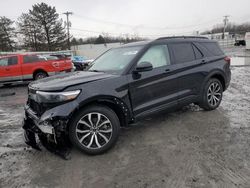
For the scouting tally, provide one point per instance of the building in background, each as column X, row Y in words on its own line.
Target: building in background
column 247, row 39
column 92, row 51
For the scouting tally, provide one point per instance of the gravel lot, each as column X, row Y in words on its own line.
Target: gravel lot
column 188, row 148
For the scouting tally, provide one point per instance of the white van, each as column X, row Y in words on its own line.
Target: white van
column 247, row 38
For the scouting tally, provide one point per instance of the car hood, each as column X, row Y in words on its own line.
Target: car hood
column 62, row 81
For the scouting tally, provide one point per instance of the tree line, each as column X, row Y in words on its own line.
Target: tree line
column 104, row 39
column 231, row 28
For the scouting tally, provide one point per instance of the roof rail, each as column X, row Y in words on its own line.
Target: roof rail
column 182, row 37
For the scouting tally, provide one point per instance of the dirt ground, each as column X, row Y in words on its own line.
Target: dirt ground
column 188, row 148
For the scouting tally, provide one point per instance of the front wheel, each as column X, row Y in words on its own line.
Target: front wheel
column 212, row 94
column 95, row 129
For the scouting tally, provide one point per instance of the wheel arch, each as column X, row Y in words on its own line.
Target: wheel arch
column 221, row 79
column 218, row 75
column 121, row 109
column 37, row 71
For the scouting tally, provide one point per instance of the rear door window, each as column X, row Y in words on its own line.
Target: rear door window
column 12, row 60
column 183, row 52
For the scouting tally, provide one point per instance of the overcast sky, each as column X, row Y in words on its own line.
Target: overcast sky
column 149, row 18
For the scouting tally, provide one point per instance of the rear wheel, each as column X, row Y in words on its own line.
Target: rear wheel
column 212, row 94
column 95, row 129
column 40, row 75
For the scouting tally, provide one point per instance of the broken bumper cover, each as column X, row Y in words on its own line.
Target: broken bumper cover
column 33, row 123
column 49, row 130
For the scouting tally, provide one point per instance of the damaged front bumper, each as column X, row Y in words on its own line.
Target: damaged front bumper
column 50, row 130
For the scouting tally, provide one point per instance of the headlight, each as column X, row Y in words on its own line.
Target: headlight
column 52, row 97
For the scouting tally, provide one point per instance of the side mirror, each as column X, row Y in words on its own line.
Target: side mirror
column 143, row 67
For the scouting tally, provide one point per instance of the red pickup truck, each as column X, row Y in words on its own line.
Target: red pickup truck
column 31, row 67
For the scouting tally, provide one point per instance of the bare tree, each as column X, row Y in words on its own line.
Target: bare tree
column 7, row 34
column 30, row 31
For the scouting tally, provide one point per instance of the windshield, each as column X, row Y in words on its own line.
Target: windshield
column 115, row 60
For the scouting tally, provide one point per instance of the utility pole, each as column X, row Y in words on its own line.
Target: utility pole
column 225, row 21
column 68, row 25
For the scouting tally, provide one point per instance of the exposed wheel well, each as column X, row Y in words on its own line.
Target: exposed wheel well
column 37, row 71
column 111, row 104
column 221, row 79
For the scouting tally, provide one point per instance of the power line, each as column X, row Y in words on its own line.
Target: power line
column 124, row 34
column 144, row 26
column 68, row 25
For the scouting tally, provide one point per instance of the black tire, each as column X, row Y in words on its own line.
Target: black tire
column 93, row 149
column 207, row 100
column 40, row 75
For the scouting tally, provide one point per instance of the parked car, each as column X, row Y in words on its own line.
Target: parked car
column 23, row 67
column 240, row 42
column 81, row 62
column 122, row 86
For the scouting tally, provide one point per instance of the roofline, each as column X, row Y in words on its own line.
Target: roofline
column 182, row 37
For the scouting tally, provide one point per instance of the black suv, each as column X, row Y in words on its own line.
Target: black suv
column 124, row 84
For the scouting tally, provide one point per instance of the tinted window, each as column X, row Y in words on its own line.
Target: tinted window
column 12, row 60
column 158, row 56
column 183, row 52
column 213, row 48
column 8, row 61
column 31, row 59
column 197, row 53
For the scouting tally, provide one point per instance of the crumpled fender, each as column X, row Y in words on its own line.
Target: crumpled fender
column 60, row 111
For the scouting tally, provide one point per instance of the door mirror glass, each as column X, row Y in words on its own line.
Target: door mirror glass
column 144, row 66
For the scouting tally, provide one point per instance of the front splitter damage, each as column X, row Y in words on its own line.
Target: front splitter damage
column 57, row 142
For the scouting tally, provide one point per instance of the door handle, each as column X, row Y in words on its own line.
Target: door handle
column 203, row 61
column 167, row 70
column 7, row 69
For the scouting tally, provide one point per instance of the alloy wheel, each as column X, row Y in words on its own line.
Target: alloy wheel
column 94, row 130
column 214, row 94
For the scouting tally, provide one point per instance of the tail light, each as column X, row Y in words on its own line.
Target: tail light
column 227, row 59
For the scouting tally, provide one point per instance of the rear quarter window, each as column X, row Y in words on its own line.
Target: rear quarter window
column 213, row 48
